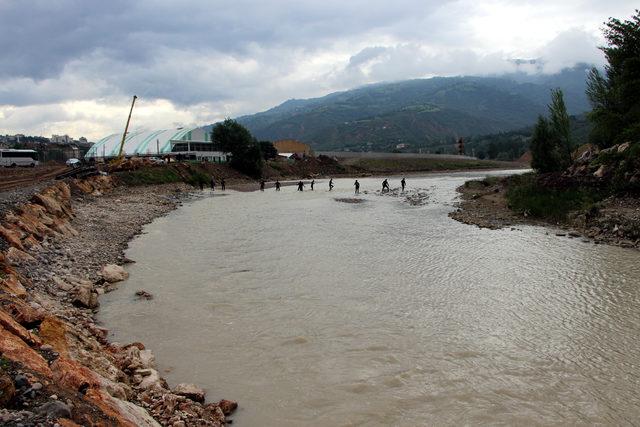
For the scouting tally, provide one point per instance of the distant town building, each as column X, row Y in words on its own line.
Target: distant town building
column 61, row 139
column 288, row 147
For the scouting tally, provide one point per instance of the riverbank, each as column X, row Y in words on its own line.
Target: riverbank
column 612, row 220
column 64, row 248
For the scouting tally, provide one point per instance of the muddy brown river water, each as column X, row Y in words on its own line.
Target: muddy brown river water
column 314, row 312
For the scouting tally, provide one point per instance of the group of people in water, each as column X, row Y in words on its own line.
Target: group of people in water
column 301, row 185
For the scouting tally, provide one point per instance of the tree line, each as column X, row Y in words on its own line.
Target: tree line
column 614, row 96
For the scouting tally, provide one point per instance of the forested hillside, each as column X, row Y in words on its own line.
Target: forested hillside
column 418, row 115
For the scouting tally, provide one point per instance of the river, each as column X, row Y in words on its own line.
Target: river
column 312, row 311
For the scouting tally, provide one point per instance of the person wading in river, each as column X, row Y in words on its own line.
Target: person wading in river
column 385, row 186
column 331, row 184
column 213, row 184
column 403, row 183
column 262, row 185
column 313, row 181
column 277, row 185
column 300, row 185
column 222, row 184
column 357, row 185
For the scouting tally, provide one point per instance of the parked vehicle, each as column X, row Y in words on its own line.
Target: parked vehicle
column 11, row 158
column 73, row 163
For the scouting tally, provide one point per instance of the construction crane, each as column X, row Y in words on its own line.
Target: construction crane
column 126, row 128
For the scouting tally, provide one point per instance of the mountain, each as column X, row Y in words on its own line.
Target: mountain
column 421, row 113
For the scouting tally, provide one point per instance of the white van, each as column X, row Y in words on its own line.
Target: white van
column 10, row 158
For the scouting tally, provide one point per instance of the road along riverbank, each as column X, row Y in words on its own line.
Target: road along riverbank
column 63, row 249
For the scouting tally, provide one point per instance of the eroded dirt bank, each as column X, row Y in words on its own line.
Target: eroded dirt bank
column 61, row 250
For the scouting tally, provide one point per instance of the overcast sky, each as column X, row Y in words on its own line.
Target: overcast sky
column 71, row 66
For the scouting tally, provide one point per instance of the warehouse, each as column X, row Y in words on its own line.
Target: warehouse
column 189, row 143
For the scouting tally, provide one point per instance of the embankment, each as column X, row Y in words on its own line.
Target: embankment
column 596, row 198
column 62, row 249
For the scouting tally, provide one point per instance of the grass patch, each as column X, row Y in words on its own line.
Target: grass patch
column 526, row 195
column 418, row 165
column 149, row 176
column 156, row 175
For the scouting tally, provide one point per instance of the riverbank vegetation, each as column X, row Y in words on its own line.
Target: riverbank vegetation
column 593, row 187
column 567, row 180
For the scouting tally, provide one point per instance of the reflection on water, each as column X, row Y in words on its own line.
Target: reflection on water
column 309, row 311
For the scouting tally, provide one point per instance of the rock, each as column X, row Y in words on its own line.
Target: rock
column 142, row 294
column 25, row 314
column 54, row 410
column 12, row 284
column 54, row 332
column 624, row 147
column 602, row 170
column 7, row 390
column 190, row 391
column 17, row 329
column 62, row 284
column 12, row 237
column 15, row 349
column 151, row 379
column 85, row 296
column 113, row 273
column 16, row 256
column 21, row 381
column 147, row 358
column 228, row 406
column 72, row 375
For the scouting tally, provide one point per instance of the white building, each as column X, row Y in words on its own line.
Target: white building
column 192, row 143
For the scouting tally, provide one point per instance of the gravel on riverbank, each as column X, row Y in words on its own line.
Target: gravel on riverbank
column 51, row 285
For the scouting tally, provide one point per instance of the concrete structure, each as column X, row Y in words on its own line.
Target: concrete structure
column 194, row 143
column 289, row 147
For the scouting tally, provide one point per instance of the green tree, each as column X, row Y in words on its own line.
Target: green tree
column 551, row 140
column 543, row 148
column 615, row 96
column 268, row 150
column 560, row 126
column 237, row 140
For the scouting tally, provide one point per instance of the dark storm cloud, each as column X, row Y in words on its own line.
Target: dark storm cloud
column 226, row 58
column 41, row 37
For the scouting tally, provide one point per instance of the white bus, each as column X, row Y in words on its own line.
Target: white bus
column 11, row 158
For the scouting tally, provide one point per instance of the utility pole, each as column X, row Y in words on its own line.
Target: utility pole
column 126, row 128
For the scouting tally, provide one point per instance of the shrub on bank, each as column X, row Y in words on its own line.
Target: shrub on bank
column 165, row 174
column 149, row 176
column 525, row 195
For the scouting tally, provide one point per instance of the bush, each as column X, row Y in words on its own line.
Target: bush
column 525, row 195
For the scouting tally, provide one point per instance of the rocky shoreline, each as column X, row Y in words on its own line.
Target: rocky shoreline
column 617, row 222
column 64, row 247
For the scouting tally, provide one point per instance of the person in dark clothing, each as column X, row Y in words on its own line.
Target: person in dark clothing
column 331, row 184
column 300, row 185
column 313, row 181
column 201, row 185
column 385, row 185
column 222, row 184
column 262, row 185
column 403, row 183
column 213, row 184
column 277, row 185
column 357, row 185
